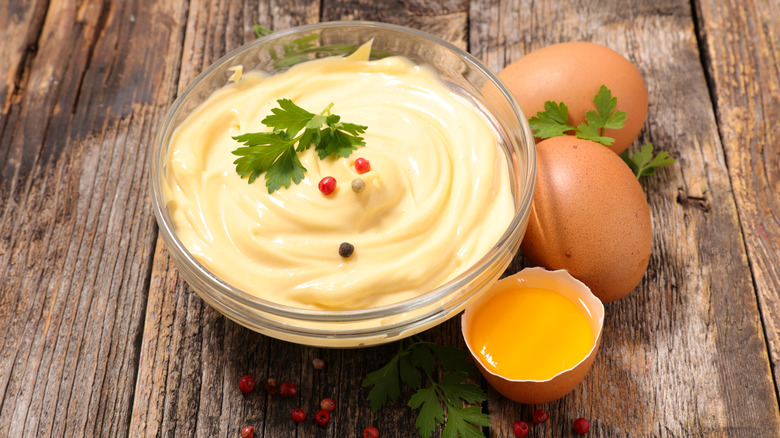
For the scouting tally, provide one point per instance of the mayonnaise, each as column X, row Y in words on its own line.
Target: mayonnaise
column 436, row 199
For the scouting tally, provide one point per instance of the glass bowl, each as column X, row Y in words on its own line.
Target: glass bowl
column 356, row 328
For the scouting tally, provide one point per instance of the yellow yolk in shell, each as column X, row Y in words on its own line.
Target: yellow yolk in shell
column 530, row 334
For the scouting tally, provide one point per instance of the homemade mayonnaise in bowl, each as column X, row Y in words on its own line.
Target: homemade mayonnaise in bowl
column 439, row 216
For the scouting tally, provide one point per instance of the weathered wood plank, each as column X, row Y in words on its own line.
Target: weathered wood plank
column 684, row 354
column 741, row 43
column 191, row 356
column 76, row 228
column 443, row 19
column 20, row 27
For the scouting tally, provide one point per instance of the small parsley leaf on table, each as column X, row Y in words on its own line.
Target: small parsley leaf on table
column 424, row 359
column 431, row 412
column 643, row 163
column 275, row 153
column 454, row 359
column 454, row 389
column 461, row 422
column 410, row 375
column 386, row 384
column 441, row 402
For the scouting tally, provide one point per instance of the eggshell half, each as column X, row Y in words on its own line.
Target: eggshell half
column 541, row 391
column 572, row 73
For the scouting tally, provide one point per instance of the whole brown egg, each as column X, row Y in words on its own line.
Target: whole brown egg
column 572, row 73
column 589, row 216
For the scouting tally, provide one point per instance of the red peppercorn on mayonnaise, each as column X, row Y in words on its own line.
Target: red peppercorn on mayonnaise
column 437, row 196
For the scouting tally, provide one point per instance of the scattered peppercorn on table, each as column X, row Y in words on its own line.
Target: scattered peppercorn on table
column 102, row 337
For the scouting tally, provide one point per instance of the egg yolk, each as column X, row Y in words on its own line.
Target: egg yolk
column 530, row 334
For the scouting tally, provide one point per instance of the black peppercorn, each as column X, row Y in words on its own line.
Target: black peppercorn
column 346, row 249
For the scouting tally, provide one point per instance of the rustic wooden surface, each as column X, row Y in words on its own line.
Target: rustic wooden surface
column 101, row 337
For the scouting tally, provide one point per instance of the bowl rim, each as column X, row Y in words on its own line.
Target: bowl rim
column 429, row 297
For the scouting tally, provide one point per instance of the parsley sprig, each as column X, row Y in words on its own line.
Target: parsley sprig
column 275, row 153
column 554, row 122
column 261, row 31
column 440, row 398
column 643, row 163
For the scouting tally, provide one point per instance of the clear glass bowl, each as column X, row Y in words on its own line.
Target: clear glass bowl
column 355, row 328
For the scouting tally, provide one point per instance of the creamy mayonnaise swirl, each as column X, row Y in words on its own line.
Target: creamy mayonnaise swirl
column 436, row 199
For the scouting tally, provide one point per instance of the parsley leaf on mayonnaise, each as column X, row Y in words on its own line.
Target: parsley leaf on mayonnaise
column 275, row 153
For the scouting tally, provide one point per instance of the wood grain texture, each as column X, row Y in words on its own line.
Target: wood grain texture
column 745, row 85
column 102, row 337
column 446, row 19
column 20, row 27
column 191, row 356
column 76, row 230
column 692, row 322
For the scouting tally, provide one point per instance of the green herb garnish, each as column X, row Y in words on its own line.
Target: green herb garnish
column 643, row 162
column 286, row 53
column 261, row 31
column 275, row 153
column 554, row 122
column 446, row 396
column 605, row 117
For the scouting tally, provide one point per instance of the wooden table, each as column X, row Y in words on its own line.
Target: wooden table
column 101, row 337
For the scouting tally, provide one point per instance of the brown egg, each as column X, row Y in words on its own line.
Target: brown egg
column 573, row 73
column 532, row 391
column 589, row 216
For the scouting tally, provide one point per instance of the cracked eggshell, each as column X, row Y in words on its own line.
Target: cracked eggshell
column 541, row 391
column 589, row 216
